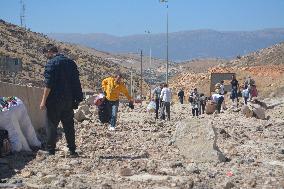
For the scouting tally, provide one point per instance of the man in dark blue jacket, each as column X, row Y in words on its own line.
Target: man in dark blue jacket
column 62, row 94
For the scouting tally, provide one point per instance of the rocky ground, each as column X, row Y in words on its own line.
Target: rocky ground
column 144, row 153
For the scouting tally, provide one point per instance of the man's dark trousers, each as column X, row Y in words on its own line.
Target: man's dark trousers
column 60, row 110
column 181, row 100
column 157, row 108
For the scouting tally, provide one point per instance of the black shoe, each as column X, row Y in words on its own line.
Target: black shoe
column 51, row 152
column 73, row 154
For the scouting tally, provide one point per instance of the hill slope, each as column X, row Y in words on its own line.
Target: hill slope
column 19, row 43
column 265, row 66
column 182, row 45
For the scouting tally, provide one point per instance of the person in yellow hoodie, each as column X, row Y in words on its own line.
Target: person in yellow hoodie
column 113, row 86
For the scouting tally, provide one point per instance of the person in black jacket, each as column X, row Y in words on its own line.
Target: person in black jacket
column 62, row 94
column 181, row 96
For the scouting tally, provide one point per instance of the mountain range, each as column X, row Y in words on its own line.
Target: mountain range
column 184, row 45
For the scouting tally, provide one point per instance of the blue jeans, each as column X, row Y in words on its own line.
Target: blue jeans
column 234, row 94
column 112, row 109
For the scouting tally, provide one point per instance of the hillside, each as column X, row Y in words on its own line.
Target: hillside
column 200, row 65
column 93, row 65
column 265, row 66
column 183, row 45
column 273, row 55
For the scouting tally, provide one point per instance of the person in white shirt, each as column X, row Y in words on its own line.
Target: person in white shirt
column 156, row 97
column 246, row 94
column 218, row 99
column 166, row 96
column 223, row 92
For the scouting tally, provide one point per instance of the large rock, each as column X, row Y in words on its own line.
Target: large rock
column 210, row 108
column 258, row 111
column 258, row 102
column 246, row 111
column 81, row 113
column 196, row 140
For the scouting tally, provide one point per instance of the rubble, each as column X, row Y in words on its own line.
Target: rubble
column 137, row 154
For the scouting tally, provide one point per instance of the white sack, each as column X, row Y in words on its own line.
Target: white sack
column 20, row 129
column 151, row 106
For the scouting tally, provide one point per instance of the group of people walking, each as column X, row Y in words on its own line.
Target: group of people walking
column 248, row 90
column 63, row 93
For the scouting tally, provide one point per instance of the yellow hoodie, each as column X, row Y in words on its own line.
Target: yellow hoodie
column 114, row 89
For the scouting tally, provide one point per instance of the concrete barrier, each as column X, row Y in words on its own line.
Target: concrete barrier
column 31, row 96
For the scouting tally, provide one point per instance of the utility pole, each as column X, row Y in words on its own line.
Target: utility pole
column 167, row 76
column 141, row 79
column 167, row 66
column 22, row 14
column 131, row 83
column 149, row 41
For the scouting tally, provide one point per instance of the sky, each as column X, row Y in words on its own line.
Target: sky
column 129, row 17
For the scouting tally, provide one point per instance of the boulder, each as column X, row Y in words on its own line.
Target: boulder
column 258, row 112
column 246, row 111
column 196, row 140
column 258, row 102
column 79, row 115
column 210, row 108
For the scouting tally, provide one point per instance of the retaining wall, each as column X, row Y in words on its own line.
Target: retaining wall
column 31, row 96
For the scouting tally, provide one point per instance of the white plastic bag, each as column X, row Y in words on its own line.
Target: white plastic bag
column 6, row 123
column 99, row 99
column 26, row 125
column 20, row 130
column 151, row 107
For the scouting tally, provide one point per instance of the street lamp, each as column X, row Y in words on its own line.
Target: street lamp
column 167, row 75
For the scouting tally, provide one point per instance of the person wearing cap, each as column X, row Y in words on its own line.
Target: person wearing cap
column 62, row 93
column 113, row 86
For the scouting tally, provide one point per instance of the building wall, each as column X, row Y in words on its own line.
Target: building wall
column 218, row 77
column 31, row 96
